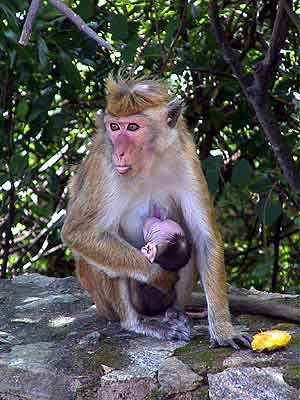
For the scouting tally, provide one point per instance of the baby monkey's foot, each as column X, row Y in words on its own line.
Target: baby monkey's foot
column 174, row 326
column 167, row 329
column 173, row 313
column 179, row 323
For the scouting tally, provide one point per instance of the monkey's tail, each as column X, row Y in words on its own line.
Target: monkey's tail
column 249, row 305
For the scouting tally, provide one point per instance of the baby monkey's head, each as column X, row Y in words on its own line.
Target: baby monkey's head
column 166, row 243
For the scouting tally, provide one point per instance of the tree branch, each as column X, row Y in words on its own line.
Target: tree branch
column 293, row 16
column 30, row 18
column 81, row 25
column 276, row 265
column 228, row 53
column 255, row 87
column 8, row 129
column 178, row 33
column 264, row 70
column 76, row 19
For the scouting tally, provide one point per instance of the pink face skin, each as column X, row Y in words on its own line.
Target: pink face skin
column 157, row 232
column 130, row 136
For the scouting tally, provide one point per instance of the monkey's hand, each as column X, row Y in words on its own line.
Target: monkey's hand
column 162, row 279
column 226, row 335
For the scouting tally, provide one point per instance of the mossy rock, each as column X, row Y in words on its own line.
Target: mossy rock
column 201, row 358
column 292, row 375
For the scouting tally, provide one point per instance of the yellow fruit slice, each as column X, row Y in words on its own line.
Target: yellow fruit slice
column 270, row 340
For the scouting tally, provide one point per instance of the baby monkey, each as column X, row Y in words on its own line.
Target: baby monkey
column 167, row 245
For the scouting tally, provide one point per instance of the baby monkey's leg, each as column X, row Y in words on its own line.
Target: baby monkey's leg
column 169, row 328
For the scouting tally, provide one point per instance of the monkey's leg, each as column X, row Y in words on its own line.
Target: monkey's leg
column 100, row 287
column 112, row 300
column 148, row 300
column 170, row 328
column 184, row 288
column 176, row 312
column 184, row 285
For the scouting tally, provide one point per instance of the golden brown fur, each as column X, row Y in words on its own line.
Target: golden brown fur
column 132, row 96
column 104, row 219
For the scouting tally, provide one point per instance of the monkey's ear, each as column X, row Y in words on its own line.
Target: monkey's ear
column 99, row 119
column 174, row 111
column 149, row 251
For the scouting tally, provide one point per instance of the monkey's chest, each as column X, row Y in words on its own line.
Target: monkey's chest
column 131, row 224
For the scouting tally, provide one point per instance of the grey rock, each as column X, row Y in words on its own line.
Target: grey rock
column 32, row 357
column 175, row 377
column 54, row 346
column 144, row 359
column 251, row 384
column 133, row 389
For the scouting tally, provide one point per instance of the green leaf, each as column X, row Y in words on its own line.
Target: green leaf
column 152, row 51
column 18, row 164
column 71, row 73
column 10, row 16
column 22, row 109
column 129, row 51
column 170, row 30
column 53, row 128
column 42, row 52
column 68, row 91
column 119, row 27
column 268, row 211
column 260, row 184
column 241, row 173
column 53, row 181
column 212, row 167
column 86, row 9
column 40, row 211
column 3, row 179
column 12, row 58
column 41, row 104
column 216, row 115
column 10, row 35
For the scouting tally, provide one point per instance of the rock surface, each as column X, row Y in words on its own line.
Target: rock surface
column 54, row 347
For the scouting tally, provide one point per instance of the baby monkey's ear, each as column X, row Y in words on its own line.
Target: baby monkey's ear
column 149, row 251
column 174, row 111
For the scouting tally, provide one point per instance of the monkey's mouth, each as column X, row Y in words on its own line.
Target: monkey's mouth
column 122, row 169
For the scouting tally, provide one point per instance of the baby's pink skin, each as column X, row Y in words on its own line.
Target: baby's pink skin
column 155, row 229
column 157, row 232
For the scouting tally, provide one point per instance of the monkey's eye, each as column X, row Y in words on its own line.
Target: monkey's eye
column 114, row 126
column 133, row 127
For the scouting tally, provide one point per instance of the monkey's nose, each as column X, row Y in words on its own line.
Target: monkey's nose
column 121, row 155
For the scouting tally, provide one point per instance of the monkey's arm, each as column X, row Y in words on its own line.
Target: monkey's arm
column 109, row 253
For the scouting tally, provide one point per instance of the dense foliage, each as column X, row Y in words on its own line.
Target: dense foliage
column 51, row 89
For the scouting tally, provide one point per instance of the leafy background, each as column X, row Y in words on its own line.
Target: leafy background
column 51, row 89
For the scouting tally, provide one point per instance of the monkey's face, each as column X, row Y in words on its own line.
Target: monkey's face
column 132, row 143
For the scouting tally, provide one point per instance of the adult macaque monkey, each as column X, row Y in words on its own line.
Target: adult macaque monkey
column 142, row 154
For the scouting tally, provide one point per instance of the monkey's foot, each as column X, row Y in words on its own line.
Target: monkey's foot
column 240, row 338
column 179, row 321
column 173, row 314
column 171, row 328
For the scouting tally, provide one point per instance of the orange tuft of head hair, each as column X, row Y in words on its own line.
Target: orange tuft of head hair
column 131, row 95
